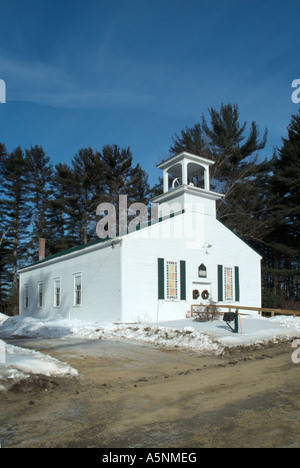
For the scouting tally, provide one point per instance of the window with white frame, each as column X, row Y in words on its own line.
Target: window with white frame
column 40, row 294
column 78, row 290
column 26, row 296
column 57, row 292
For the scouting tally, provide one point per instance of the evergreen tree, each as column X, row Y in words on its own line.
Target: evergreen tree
column 236, row 172
column 191, row 139
column 4, row 279
column 234, row 156
column 87, row 187
column 122, row 178
column 15, row 220
column 62, row 226
column 78, row 189
column 140, row 188
column 93, row 177
column 285, row 190
column 283, row 262
column 38, row 184
column 117, row 170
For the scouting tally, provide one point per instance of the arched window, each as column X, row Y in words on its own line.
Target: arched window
column 202, row 271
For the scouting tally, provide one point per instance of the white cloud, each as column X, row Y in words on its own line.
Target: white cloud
column 107, row 84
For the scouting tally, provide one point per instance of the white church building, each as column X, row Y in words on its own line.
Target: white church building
column 185, row 256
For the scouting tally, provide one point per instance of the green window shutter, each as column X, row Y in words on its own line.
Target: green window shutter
column 161, row 278
column 220, row 283
column 182, row 281
column 237, row 283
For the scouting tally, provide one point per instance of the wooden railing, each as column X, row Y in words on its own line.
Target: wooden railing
column 233, row 308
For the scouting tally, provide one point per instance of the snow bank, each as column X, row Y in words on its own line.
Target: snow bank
column 205, row 337
column 29, row 327
column 19, row 363
column 2, row 318
column 171, row 337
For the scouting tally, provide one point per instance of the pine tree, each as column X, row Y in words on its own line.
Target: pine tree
column 122, row 178
column 191, row 139
column 38, row 184
column 78, row 189
column 236, row 170
column 15, row 219
column 233, row 155
column 87, row 185
column 62, row 227
column 283, row 266
column 285, row 190
column 4, row 278
column 117, row 171
column 140, row 188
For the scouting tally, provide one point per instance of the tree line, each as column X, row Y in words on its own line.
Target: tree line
column 58, row 202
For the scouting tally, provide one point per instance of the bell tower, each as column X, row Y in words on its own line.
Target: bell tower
column 181, row 192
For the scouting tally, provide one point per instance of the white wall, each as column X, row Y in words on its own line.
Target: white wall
column 120, row 283
column 140, row 251
column 229, row 250
column 101, row 285
column 139, row 265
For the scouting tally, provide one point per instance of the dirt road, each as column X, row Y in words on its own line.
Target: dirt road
column 130, row 395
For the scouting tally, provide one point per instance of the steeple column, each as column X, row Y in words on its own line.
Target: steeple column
column 206, row 179
column 184, row 165
column 166, row 180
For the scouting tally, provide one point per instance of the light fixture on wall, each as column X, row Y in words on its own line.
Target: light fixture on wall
column 206, row 246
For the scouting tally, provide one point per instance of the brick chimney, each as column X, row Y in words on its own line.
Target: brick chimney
column 42, row 245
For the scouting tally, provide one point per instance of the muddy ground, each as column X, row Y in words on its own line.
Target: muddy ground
column 130, row 395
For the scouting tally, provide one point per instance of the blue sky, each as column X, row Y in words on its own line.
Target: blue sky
column 84, row 73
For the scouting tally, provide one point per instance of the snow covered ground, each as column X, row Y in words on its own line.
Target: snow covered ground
column 206, row 337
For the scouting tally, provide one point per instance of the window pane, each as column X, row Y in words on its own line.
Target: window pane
column 57, row 293
column 172, row 280
column 228, row 284
column 26, row 296
column 40, row 294
column 77, row 290
column 77, row 280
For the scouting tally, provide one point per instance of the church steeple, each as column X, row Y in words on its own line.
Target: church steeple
column 181, row 168
column 184, row 166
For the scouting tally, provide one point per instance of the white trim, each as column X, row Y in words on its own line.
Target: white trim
column 185, row 154
column 55, row 280
column 200, row 192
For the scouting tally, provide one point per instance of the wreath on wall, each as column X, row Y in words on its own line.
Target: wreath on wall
column 196, row 294
column 205, row 294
